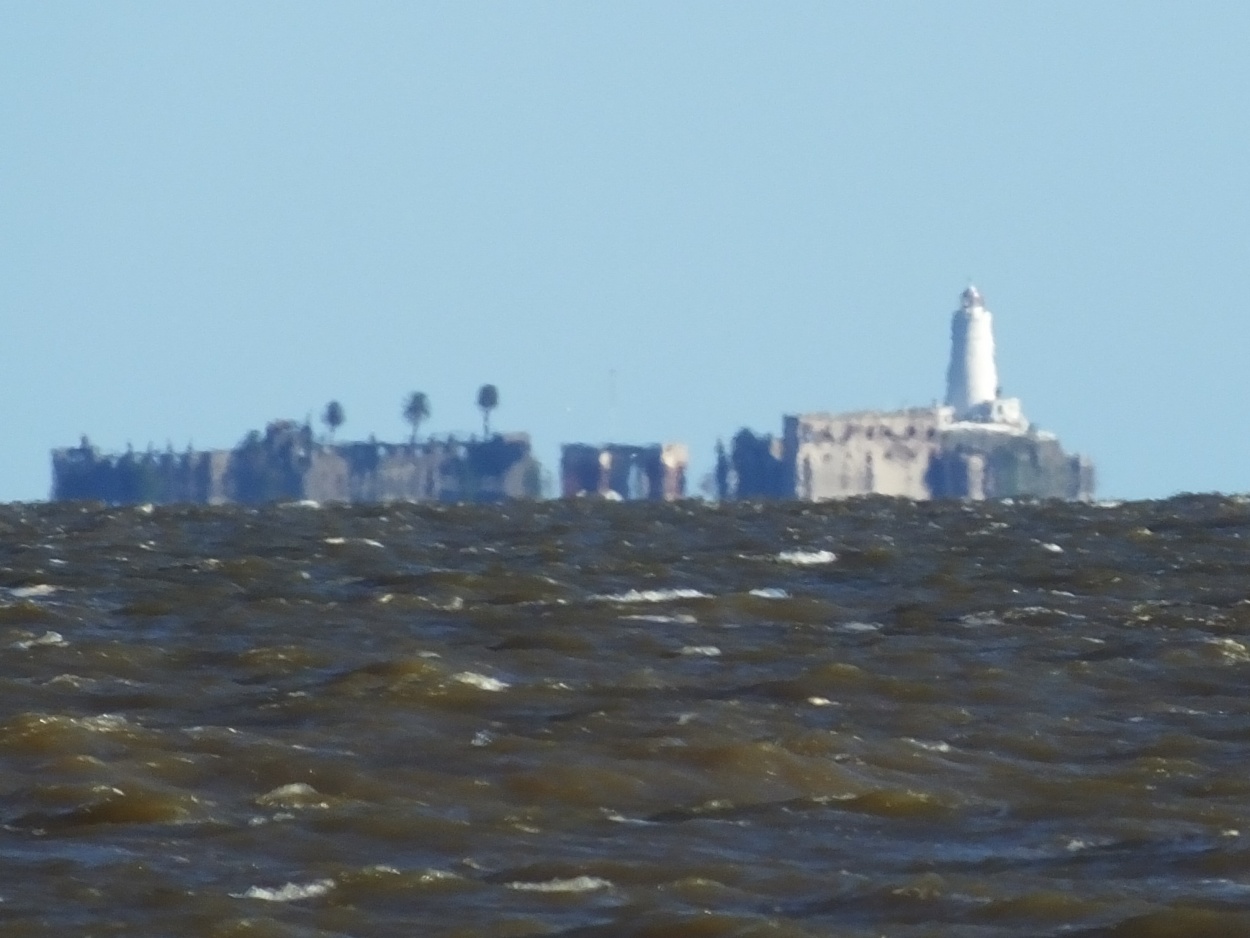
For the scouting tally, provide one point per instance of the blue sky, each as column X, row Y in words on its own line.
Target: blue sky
column 642, row 221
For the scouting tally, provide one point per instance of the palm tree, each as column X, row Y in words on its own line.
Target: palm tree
column 416, row 409
column 487, row 400
column 333, row 417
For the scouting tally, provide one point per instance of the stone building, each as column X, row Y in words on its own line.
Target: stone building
column 976, row 445
column 285, row 463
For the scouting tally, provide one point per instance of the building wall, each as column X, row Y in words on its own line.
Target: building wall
column 656, row 472
column 82, row 472
column 869, row 452
column 1011, row 465
column 919, row 453
column 284, row 464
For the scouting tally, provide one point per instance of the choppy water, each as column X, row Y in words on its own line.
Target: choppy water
column 859, row 719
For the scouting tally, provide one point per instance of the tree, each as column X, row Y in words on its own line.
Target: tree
column 333, row 417
column 487, row 400
column 416, row 409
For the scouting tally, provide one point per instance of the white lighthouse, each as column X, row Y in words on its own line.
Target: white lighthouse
column 972, row 377
column 972, row 389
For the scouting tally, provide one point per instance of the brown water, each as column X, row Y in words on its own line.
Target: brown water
column 860, row 719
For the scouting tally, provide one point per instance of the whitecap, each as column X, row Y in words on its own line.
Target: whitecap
column 104, row 723
column 807, row 558
column 340, row 541
column 432, row 875
column 1230, row 649
column 706, row 651
column 682, row 619
column 291, row 892
column 770, row 592
column 1078, row 844
column 293, row 795
column 52, row 639
column 32, row 592
column 860, row 627
column 938, row 746
column 617, row 818
column 1053, row 548
column 574, row 884
column 651, row 596
column 74, row 680
column 975, row 619
column 480, row 681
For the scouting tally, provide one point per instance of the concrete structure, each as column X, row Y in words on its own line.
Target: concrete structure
column 977, row 445
column 656, row 472
column 286, row 464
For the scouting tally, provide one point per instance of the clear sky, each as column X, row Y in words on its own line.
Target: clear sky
column 643, row 221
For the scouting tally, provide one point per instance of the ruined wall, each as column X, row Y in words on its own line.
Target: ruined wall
column 984, row 463
column 493, row 470
column 286, row 464
column 870, row 452
column 82, row 472
column 633, row 473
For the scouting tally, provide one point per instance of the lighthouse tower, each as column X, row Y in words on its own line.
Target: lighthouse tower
column 972, row 378
column 972, row 390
